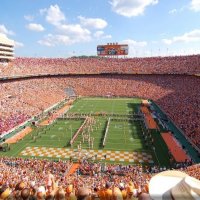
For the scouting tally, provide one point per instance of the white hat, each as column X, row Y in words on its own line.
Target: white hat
column 32, row 183
column 173, row 185
column 121, row 185
column 41, row 189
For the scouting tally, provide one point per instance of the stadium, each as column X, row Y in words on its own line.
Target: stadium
column 95, row 117
column 100, row 100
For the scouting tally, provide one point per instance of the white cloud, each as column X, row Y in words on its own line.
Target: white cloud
column 134, row 43
column 173, row 11
column 35, row 27
column 48, row 40
column 178, row 10
column 136, row 48
column 18, row 44
column 184, row 51
column 167, row 41
column 101, row 35
column 107, row 37
column 75, row 32
column 70, row 34
column 54, row 40
column 29, row 17
column 98, row 34
column 5, row 31
column 192, row 36
column 195, row 5
column 67, row 34
column 53, row 15
column 131, row 8
column 96, row 23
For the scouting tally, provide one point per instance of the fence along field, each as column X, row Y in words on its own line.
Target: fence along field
column 108, row 129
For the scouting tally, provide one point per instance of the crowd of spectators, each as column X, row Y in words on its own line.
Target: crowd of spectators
column 177, row 95
column 21, row 100
column 46, row 179
column 193, row 171
column 96, row 65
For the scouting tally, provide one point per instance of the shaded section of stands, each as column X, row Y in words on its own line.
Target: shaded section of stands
column 150, row 122
column 194, row 154
column 174, row 147
column 160, row 146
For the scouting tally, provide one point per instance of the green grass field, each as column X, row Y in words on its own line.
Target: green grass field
column 119, row 105
column 119, row 132
column 124, row 131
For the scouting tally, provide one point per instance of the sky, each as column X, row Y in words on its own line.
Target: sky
column 65, row 28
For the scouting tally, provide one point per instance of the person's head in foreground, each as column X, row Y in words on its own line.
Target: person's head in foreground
column 174, row 185
column 83, row 193
column 4, row 192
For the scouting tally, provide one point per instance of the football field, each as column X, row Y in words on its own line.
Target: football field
column 108, row 129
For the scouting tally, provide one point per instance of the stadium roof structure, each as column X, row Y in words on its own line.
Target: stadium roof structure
column 6, row 48
column 5, row 40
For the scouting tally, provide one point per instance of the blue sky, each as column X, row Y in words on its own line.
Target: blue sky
column 63, row 28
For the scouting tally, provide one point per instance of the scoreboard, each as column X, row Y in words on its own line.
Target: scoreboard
column 112, row 49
